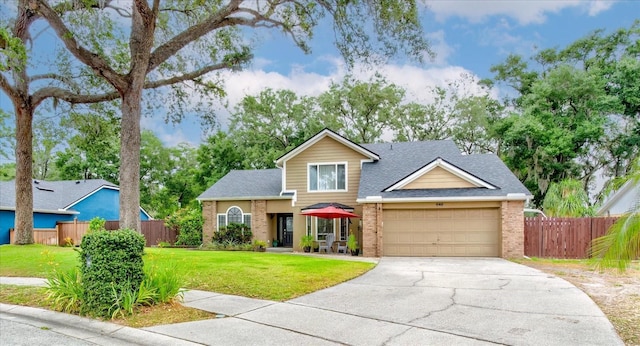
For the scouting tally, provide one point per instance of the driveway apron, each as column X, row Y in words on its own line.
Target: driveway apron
column 418, row 301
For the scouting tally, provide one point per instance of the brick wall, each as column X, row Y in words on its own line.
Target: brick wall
column 371, row 230
column 259, row 224
column 512, row 229
column 210, row 216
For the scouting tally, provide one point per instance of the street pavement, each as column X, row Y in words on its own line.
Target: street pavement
column 402, row 301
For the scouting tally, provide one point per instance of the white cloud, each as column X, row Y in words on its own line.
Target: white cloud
column 525, row 12
column 440, row 47
column 597, row 6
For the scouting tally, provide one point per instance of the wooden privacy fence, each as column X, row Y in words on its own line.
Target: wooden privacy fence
column 563, row 237
column 46, row 236
column 154, row 231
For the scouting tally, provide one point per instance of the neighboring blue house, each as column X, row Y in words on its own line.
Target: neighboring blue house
column 67, row 200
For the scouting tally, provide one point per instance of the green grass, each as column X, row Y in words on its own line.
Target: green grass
column 251, row 274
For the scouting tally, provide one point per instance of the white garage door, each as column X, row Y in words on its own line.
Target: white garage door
column 441, row 232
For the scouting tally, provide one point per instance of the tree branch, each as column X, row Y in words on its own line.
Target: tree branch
column 74, row 98
column 64, row 79
column 215, row 21
column 8, row 88
column 70, row 97
column 87, row 57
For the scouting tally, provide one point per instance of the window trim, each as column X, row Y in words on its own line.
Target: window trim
column 337, row 227
column 226, row 217
column 335, row 164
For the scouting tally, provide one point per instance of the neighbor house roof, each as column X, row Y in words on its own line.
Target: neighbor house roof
column 57, row 197
column 53, row 196
column 400, row 160
column 623, row 198
column 249, row 184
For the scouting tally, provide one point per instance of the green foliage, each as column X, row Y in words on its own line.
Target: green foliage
column 111, row 265
column 621, row 244
column 361, row 110
column 259, row 245
column 65, row 290
column 574, row 114
column 96, row 224
column 234, row 232
column 188, row 221
column 163, row 283
column 306, row 241
column 13, row 53
column 352, row 243
column 94, row 147
column 567, row 199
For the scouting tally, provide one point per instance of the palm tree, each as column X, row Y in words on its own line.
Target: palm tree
column 621, row 244
column 567, row 199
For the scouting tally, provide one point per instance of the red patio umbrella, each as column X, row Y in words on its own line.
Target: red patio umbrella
column 329, row 212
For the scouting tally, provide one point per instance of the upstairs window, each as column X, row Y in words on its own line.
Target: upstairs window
column 328, row 177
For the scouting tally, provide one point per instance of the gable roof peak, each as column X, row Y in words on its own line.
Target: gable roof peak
column 326, row 132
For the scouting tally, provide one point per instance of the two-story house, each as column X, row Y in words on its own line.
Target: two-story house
column 414, row 198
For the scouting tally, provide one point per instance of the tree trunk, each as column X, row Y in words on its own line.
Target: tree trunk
column 130, row 160
column 24, row 186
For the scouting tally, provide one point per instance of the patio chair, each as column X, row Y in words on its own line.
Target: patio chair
column 341, row 247
column 326, row 245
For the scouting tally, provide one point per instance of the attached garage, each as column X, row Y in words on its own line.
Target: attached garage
column 442, row 232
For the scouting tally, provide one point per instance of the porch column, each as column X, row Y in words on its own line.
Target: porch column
column 259, row 225
column 210, row 218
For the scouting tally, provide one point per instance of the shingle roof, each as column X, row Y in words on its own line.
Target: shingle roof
column 398, row 160
column 246, row 184
column 52, row 195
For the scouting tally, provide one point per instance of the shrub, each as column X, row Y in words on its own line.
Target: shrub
column 234, row 232
column 188, row 221
column 111, row 265
column 96, row 224
column 259, row 245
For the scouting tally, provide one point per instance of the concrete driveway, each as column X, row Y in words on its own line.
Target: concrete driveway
column 413, row 301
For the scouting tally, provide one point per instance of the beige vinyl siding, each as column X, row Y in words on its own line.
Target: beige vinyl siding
column 327, row 150
column 438, row 178
column 279, row 206
column 223, row 206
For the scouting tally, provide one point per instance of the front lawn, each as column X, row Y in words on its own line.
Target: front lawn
column 261, row 275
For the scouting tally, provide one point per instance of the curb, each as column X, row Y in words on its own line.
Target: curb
column 97, row 332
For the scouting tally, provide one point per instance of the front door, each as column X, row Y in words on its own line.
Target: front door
column 285, row 229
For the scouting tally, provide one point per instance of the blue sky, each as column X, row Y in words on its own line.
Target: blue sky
column 468, row 36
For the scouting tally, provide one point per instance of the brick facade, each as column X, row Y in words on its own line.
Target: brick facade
column 512, row 229
column 210, row 217
column 372, row 230
column 259, row 224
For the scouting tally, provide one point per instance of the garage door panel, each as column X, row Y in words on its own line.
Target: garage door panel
column 441, row 232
